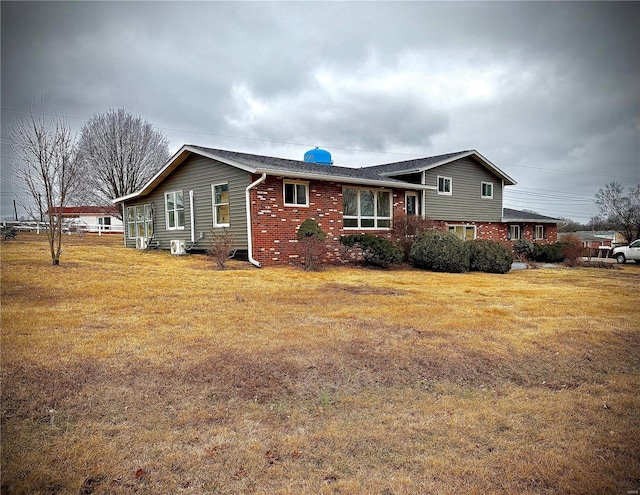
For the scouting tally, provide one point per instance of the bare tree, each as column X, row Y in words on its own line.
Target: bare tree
column 120, row 152
column 622, row 212
column 47, row 164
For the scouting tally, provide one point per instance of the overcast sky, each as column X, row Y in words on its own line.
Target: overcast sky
column 548, row 92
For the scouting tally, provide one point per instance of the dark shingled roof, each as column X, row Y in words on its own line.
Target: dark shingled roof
column 413, row 165
column 509, row 215
column 261, row 162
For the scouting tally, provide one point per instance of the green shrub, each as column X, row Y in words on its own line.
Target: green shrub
column 441, row 252
column 523, row 249
column 376, row 251
column 548, row 253
column 489, row 256
column 310, row 238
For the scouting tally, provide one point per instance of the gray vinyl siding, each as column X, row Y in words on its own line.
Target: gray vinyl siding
column 465, row 203
column 199, row 174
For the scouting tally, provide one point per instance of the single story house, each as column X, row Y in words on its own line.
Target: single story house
column 262, row 201
column 95, row 219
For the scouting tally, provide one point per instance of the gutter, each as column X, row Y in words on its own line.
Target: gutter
column 262, row 178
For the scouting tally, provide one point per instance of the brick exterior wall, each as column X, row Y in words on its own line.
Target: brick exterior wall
column 274, row 226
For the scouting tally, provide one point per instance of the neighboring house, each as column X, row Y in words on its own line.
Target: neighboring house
column 263, row 200
column 100, row 219
column 601, row 242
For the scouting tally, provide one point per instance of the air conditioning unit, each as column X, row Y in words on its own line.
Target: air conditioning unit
column 142, row 242
column 177, row 247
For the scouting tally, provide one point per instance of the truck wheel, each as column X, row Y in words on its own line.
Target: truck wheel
column 620, row 258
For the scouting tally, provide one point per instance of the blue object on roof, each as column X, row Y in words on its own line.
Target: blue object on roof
column 317, row 155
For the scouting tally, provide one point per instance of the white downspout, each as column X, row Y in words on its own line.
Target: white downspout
column 249, row 235
column 193, row 218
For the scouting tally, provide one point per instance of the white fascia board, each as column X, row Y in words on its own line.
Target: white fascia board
column 345, row 180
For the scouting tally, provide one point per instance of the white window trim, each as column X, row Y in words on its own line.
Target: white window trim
column 147, row 221
column 511, row 237
column 213, row 201
column 406, row 202
column 482, row 195
column 166, row 211
column 466, row 226
column 295, row 182
column 445, row 193
column 535, row 232
column 375, row 216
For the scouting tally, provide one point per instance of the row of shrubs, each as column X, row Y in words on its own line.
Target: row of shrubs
column 437, row 251
column 424, row 246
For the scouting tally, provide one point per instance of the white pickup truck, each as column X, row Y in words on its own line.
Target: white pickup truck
column 631, row 252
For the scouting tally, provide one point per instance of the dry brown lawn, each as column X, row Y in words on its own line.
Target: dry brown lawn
column 138, row 372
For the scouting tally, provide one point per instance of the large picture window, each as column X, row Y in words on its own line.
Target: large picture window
column 140, row 221
column 174, row 206
column 366, row 208
column 220, row 205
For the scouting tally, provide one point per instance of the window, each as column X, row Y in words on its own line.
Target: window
column 464, row 232
column 539, row 234
column 444, row 185
column 366, row 208
column 140, row 221
column 105, row 223
column 487, row 190
column 174, row 205
column 296, row 193
column 411, row 202
column 515, row 232
column 220, row 194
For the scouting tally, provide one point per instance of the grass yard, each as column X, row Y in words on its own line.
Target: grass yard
column 138, row 372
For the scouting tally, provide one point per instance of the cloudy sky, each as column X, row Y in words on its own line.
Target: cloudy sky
column 548, row 92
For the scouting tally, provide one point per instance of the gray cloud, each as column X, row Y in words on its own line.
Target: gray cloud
column 533, row 86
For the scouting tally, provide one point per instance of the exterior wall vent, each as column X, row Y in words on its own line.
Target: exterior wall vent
column 319, row 156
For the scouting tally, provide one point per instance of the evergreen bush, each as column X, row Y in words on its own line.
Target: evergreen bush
column 549, row 253
column 489, row 256
column 441, row 252
column 376, row 251
column 523, row 249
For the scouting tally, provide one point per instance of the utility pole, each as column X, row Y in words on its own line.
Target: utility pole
column 15, row 210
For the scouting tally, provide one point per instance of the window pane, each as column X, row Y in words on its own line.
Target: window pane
column 350, row 222
column 139, row 213
column 131, row 213
column 350, row 201
column 367, row 222
column 140, row 230
column 469, row 233
column 170, row 202
column 289, row 193
column 222, row 214
column 172, row 219
column 383, row 224
column 411, row 205
column 181, row 218
column 301, row 194
column 384, row 207
column 179, row 202
column 366, row 203
column 222, row 194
